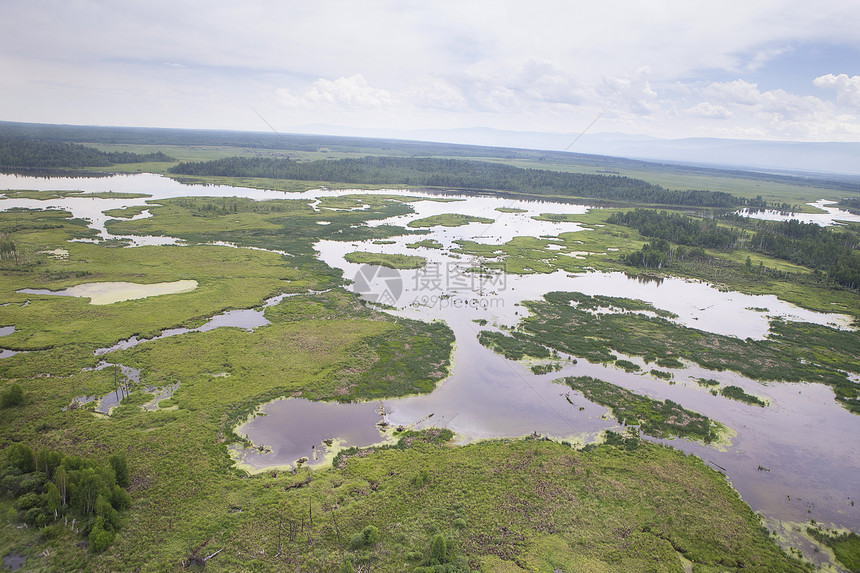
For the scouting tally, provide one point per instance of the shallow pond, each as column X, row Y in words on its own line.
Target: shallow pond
column 105, row 404
column 125, row 378
column 804, row 438
column 314, row 429
column 111, row 292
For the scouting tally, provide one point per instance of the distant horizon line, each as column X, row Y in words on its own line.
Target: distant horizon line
column 798, row 158
column 304, row 127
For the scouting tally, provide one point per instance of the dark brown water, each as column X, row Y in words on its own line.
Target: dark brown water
column 295, row 428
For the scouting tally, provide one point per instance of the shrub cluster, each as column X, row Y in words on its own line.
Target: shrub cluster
column 50, row 485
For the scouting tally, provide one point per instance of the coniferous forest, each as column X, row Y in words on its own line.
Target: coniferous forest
column 830, row 250
column 463, row 174
column 29, row 153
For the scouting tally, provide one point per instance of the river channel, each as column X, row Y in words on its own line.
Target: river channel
column 792, row 461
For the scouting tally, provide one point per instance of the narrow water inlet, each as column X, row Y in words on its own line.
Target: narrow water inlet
column 246, row 319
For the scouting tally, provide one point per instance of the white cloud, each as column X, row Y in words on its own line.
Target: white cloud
column 286, row 98
column 546, row 65
column 632, row 92
column 759, row 58
column 545, row 81
column 735, row 92
column 847, row 88
column 742, row 93
column 772, row 114
column 708, row 110
column 531, row 88
column 438, row 95
column 349, row 92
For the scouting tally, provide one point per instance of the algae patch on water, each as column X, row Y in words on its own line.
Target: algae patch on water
column 111, row 292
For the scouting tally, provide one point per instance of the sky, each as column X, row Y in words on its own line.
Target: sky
column 784, row 70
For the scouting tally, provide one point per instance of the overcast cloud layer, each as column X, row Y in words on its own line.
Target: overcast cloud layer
column 782, row 70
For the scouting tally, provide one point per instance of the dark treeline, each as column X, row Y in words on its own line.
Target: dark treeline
column 27, row 153
column 129, row 157
column 661, row 253
column 461, row 174
column 851, row 204
column 833, row 251
column 679, row 228
column 259, row 140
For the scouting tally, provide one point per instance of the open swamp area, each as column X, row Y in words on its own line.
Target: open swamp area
column 317, row 375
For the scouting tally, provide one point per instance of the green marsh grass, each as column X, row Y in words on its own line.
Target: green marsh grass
column 654, row 417
column 448, row 220
column 390, row 260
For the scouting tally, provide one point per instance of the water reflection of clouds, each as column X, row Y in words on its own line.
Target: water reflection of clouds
column 831, row 215
column 698, row 305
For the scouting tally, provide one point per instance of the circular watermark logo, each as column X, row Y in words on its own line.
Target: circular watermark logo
column 380, row 285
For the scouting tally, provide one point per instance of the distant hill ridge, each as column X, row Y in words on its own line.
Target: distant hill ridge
column 834, row 163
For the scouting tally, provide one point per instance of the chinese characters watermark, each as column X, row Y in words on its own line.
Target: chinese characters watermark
column 453, row 284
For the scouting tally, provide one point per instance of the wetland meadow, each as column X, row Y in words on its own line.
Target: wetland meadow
column 317, row 376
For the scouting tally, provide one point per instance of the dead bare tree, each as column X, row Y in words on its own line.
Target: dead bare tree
column 280, row 522
column 336, row 529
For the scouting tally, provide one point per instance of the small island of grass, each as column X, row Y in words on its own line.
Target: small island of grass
column 426, row 243
column 737, row 393
column 448, row 220
column 670, row 362
column 511, row 347
column 627, row 365
column 558, row 217
column 654, row 417
column 127, row 212
column 51, row 195
column 661, row 374
column 392, row 261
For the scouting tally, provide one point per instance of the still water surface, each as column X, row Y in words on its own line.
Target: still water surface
column 803, row 437
column 830, row 216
